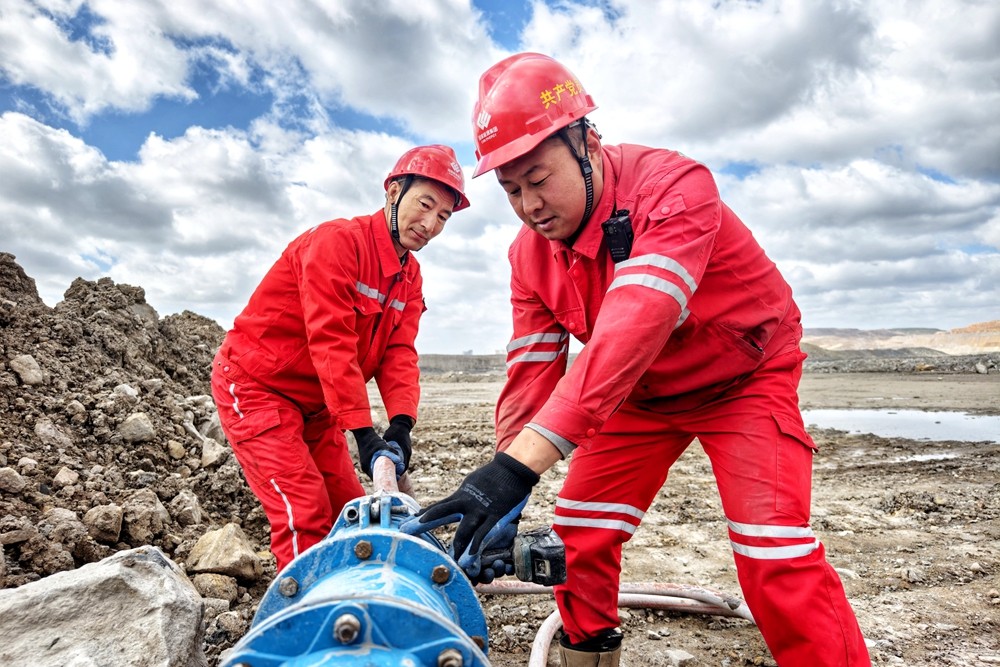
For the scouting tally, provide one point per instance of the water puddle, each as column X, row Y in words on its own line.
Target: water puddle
column 911, row 424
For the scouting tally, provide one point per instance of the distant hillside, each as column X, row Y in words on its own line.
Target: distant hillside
column 972, row 339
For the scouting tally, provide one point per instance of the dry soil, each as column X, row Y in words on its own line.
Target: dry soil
column 911, row 526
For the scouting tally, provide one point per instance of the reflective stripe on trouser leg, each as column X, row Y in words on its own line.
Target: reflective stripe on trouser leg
column 296, row 490
column 762, row 459
column 607, row 491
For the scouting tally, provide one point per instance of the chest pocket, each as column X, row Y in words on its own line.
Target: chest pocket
column 377, row 314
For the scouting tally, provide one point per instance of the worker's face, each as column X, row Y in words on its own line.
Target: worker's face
column 421, row 213
column 546, row 188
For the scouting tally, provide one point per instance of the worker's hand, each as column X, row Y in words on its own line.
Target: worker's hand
column 399, row 433
column 371, row 445
column 496, row 558
column 488, row 501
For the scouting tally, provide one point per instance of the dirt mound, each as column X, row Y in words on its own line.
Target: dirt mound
column 73, row 375
column 982, row 338
column 982, row 327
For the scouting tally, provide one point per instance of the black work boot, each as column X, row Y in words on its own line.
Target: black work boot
column 604, row 650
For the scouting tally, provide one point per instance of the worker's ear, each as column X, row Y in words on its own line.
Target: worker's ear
column 392, row 191
column 593, row 143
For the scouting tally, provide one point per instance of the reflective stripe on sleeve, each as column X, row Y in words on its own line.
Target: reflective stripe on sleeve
column 531, row 354
column 646, row 278
column 659, row 284
column 538, row 356
column 660, row 262
column 524, row 341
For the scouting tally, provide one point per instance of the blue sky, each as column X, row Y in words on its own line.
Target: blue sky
column 179, row 146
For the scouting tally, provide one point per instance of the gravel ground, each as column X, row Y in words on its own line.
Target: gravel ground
column 911, row 525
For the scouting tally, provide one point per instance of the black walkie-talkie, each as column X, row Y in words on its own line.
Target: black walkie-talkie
column 618, row 234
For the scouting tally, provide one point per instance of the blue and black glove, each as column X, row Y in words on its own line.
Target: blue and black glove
column 371, row 445
column 399, row 433
column 486, row 504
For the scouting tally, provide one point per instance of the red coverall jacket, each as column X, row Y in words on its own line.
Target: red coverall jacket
column 716, row 306
column 334, row 311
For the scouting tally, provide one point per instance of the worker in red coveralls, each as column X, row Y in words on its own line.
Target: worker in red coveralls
column 339, row 307
column 688, row 331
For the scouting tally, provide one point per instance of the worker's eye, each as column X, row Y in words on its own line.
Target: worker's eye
column 535, row 184
column 514, row 192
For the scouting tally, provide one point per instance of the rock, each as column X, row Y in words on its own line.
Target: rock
column 145, row 517
column 225, row 551
column 219, row 586
column 11, row 481
column 678, row 658
column 127, row 391
column 214, row 607
column 212, row 428
column 176, row 450
column 50, row 434
column 104, row 523
column 212, row 453
column 185, row 508
column 137, row 428
column 65, row 477
column 133, row 609
column 27, row 369
column 63, row 526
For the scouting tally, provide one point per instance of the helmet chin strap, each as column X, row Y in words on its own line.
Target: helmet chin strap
column 407, row 181
column 586, row 168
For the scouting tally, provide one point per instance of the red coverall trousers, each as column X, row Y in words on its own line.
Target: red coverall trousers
column 298, row 465
column 762, row 460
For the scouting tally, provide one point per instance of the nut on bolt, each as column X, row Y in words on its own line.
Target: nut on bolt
column 440, row 574
column 450, row 657
column 346, row 628
column 363, row 549
column 288, row 587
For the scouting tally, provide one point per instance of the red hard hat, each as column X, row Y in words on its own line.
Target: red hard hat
column 523, row 100
column 435, row 162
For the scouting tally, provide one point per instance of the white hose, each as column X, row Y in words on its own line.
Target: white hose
column 672, row 597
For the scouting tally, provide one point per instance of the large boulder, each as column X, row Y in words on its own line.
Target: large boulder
column 133, row 609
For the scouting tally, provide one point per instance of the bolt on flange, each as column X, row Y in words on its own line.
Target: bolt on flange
column 346, row 628
column 450, row 657
column 363, row 549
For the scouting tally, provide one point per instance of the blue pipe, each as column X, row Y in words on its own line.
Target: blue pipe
column 368, row 595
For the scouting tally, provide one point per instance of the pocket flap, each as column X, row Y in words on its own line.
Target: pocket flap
column 793, row 428
column 254, row 423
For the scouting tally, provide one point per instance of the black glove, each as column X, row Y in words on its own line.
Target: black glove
column 493, row 554
column 399, row 432
column 369, row 444
column 486, row 503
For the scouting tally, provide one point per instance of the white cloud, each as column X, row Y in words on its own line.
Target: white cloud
column 871, row 130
